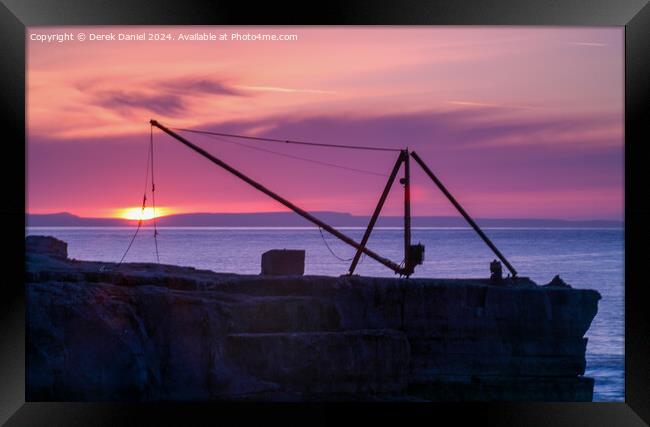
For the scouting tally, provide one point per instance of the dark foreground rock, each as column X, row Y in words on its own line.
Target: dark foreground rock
column 149, row 332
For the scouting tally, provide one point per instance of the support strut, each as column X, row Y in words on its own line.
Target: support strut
column 465, row 215
column 375, row 214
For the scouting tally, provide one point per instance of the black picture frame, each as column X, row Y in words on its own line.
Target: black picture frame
column 16, row 15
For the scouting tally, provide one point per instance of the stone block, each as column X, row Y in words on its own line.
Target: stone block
column 46, row 245
column 367, row 361
column 283, row 262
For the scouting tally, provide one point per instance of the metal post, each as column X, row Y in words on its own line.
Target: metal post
column 463, row 213
column 378, row 208
column 408, row 268
column 388, row 263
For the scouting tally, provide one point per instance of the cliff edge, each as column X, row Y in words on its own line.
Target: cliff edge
column 149, row 332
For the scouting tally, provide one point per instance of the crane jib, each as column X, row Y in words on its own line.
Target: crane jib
column 413, row 254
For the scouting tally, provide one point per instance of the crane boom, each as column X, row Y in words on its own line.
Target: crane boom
column 388, row 263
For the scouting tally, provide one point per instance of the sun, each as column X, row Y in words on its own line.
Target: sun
column 137, row 214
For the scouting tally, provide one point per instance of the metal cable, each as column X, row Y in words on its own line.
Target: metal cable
column 306, row 159
column 320, row 230
column 289, row 141
column 144, row 199
column 153, row 197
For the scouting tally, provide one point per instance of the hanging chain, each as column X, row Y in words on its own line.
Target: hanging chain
column 153, row 196
column 144, row 203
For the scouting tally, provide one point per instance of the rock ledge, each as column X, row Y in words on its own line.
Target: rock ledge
column 146, row 332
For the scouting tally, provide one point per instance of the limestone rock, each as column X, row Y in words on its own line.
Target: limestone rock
column 46, row 245
column 145, row 332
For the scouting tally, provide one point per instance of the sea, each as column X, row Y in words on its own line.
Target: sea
column 587, row 258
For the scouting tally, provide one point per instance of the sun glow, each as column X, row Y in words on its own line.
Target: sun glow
column 137, row 214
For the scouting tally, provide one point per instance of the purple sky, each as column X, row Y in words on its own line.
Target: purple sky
column 516, row 121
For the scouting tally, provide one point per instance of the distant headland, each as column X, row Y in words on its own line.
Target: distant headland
column 289, row 219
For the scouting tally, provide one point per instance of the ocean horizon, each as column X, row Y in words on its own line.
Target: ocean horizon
column 290, row 219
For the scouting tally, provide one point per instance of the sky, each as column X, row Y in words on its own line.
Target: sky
column 517, row 122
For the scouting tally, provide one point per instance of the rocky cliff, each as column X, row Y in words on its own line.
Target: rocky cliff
column 147, row 332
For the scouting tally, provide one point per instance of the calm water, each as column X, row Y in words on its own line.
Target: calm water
column 584, row 258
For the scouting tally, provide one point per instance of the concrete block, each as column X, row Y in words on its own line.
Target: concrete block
column 283, row 262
